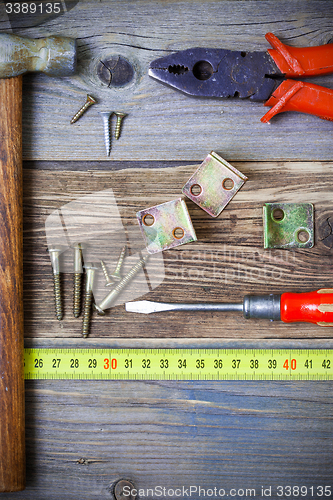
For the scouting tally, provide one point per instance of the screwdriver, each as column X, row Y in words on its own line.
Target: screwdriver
column 310, row 307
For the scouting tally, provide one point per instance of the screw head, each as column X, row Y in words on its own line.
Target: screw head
column 92, row 265
column 106, row 114
column 91, row 99
column 56, row 249
column 119, row 114
column 99, row 311
column 79, row 245
column 116, row 277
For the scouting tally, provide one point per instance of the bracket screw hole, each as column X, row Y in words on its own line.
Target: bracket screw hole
column 148, row 220
column 278, row 214
column 178, row 233
column 228, row 184
column 303, row 236
column 196, row 189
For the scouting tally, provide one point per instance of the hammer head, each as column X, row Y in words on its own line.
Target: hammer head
column 55, row 55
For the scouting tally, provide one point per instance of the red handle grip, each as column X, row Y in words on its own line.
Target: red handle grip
column 303, row 97
column 313, row 307
column 304, row 61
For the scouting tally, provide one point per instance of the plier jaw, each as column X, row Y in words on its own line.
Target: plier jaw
column 259, row 76
column 217, row 73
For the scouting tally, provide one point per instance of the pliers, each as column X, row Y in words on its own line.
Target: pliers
column 259, row 76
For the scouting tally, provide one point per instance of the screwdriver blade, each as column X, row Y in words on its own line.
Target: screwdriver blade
column 148, row 307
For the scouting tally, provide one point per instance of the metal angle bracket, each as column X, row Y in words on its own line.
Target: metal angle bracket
column 288, row 225
column 166, row 226
column 214, row 184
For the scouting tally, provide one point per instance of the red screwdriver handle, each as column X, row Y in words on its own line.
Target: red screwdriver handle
column 313, row 307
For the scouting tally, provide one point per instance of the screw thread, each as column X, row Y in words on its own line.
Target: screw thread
column 77, row 294
column 87, row 313
column 118, row 127
column 122, row 284
column 90, row 101
column 57, row 295
column 120, row 260
column 107, row 140
column 130, row 275
column 106, row 127
column 105, row 271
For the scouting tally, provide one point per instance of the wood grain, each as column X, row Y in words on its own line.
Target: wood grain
column 174, row 434
column 227, row 262
column 84, row 436
column 12, row 439
column 168, row 434
column 164, row 124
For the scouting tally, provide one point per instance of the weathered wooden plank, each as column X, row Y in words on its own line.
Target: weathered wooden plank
column 84, row 436
column 164, row 124
column 226, row 262
column 175, row 343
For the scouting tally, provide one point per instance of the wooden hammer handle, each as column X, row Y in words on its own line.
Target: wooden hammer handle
column 12, row 420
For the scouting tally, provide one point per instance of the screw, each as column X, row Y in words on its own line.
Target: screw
column 108, row 280
column 109, row 299
column 116, row 276
column 106, row 125
column 54, row 255
column 120, row 117
column 77, row 279
column 89, row 102
column 91, row 269
column 120, row 494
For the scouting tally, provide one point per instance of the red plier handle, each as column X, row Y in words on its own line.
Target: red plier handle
column 299, row 96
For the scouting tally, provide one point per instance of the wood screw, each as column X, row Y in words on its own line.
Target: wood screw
column 77, row 279
column 90, row 101
column 91, row 269
column 111, row 297
column 106, row 126
column 120, row 117
column 116, row 276
column 108, row 280
column 54, row 255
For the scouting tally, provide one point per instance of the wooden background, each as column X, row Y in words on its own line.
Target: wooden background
column 83, row 436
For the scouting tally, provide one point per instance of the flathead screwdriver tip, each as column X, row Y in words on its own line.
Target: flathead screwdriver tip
column 148, row 307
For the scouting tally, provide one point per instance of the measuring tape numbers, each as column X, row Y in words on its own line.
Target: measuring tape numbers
column 179, row 364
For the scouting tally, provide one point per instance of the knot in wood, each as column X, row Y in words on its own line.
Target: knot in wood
column 115, row 71
column 325, row 230
column 124, row 490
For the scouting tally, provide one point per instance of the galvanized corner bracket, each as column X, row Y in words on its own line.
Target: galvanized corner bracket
column 288, row 225
column 166, row 226
column 214, row 184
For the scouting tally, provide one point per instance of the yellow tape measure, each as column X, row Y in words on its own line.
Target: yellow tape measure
column 179, row 364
